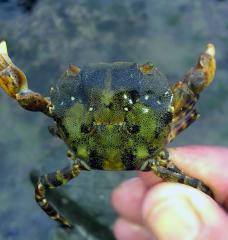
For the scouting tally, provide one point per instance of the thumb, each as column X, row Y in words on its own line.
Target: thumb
column 173, row 211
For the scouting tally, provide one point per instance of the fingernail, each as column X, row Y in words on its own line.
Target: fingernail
column 173, row 219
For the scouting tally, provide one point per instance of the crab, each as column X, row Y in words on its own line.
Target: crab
column 113, row 116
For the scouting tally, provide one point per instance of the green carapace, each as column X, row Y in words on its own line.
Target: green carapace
column 113, row 116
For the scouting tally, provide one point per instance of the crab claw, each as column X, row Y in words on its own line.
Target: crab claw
column 200, row 76
column 12, row 79
column 14, row 83
column 207, row 64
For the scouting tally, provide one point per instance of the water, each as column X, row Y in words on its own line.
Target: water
column 52, row 34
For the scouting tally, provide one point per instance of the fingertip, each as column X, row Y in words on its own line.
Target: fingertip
column 178, row 211
column 164, row 211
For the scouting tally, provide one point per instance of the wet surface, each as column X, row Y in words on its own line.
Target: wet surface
column 49, row 36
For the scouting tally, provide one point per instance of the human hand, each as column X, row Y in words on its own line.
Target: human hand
column 152, row 209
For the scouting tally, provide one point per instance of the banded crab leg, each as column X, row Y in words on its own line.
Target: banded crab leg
column 187, row 91
column 173, row 174
column 50, row 181
column 163, row 167
column 14, row 83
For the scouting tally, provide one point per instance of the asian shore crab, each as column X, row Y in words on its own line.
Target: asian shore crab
column 117, row 116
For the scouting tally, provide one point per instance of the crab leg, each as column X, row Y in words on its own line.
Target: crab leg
column 187, row 91
column 163, row 167
column 181, row 124
column 172, row 175
column 50, row 181
column 14, row 83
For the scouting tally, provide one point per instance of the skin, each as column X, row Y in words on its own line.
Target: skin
column 148, row 208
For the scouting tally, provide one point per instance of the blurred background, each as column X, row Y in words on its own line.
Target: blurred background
column 43, row 38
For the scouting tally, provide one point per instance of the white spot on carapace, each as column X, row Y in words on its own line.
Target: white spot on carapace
column 145, row 110
column 130, row 101
column 158, row 102
column 72, row 98
column 91, row 109
column 61, row 103
column 125, row 96
column 126, row 109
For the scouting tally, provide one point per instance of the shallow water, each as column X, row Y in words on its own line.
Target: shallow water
column 43, row 41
